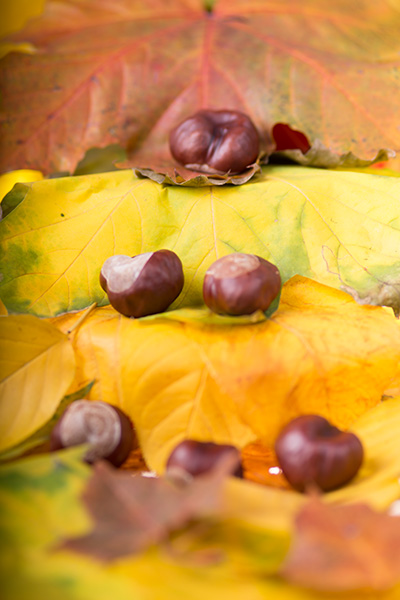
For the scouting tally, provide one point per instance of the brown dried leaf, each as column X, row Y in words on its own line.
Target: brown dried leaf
column 175, row 175
column 132, row 512
column 343, row 548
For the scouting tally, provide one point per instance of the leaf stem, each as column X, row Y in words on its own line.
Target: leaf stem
column 82, row 318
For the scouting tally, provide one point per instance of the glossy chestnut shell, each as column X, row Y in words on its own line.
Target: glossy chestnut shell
column 240, row 284
column 197, row 458
column 142, row 285
column 215, row 141
column 106, row 428
column 313, row 453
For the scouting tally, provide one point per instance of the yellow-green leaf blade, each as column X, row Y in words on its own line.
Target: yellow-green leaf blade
column 341, row 228
column 37, row 365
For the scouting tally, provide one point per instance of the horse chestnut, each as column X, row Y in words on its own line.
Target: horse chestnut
column 215, row 141
column 240, row 284
column 312, row 452
column 144, row 284
column 197, row 458
column 107, row 430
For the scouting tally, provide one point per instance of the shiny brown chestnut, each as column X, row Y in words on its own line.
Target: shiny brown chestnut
column 144, row 284
column 215, row 141
column 105, row 428
column 196, row 458
column 313, row 453
column 240, row 284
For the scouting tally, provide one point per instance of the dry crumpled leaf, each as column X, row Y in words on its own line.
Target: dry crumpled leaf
column 187, row 178
column 320, row 352
column 341, row 228
column 134, row 512
column 37, row 365
column 340, row 548
column 127, row 72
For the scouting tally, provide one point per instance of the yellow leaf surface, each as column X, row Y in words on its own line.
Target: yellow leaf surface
column 221, row 582
column 376, row 484
column 320, row 352
column 8, row 180
column 3, row 310
column 15, row 14
column 37, row 365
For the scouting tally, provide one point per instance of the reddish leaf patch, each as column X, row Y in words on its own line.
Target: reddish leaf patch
column 127, row 71
column 344, row 548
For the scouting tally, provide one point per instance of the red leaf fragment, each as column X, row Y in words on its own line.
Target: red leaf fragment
column 343, row 548
column 132, row 512
column 287, row 138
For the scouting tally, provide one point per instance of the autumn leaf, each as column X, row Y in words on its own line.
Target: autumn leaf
column 233, row 384
column 134, row 512
column 42, row 435
column 14, row 15
column 39, row 507
column 37, row 366
column 344, row 548
column 8, row 180
column 127, row 72
column 340, row 228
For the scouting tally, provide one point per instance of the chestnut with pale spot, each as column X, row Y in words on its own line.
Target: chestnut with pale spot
column 240, row 284
column 144, row 284
column 106, row 429
column 314, row 453
column 215, row 141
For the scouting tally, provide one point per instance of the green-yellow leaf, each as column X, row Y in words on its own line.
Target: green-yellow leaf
column 39, row 507
column 341, row 228
column 37, row 365
column 8, row 180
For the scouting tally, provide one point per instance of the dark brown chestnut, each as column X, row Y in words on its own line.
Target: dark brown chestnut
column 313, row 453
column 240, row 284
column 144, row 284
column 196, row 458
column 215, row 141
column 106, row 428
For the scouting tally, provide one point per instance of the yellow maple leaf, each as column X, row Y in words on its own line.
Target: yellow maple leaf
column 37, row 365
column 320, row 353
